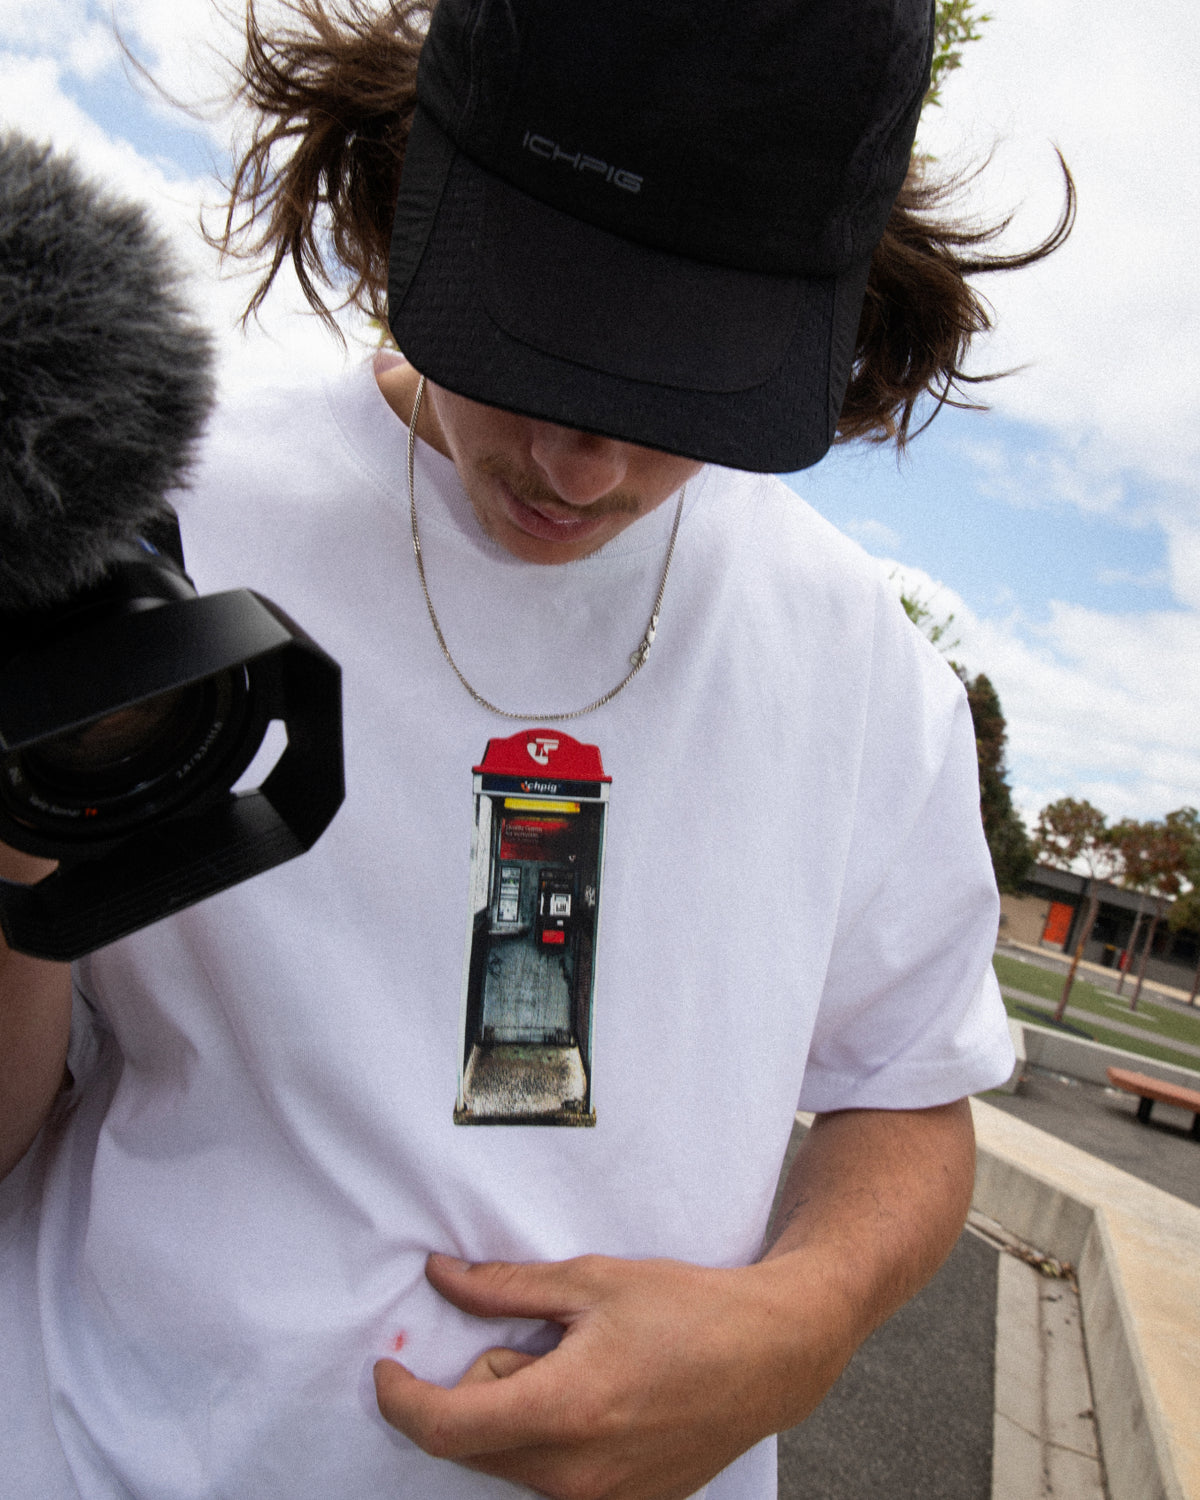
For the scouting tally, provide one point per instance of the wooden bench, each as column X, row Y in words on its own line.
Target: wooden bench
column 1152, row 1090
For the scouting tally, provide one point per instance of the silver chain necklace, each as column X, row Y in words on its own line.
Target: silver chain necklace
column 637, row 660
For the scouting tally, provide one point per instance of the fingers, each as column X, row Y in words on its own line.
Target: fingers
column 500, row 1403
column 557, row 1291
column 493, row 1408
column 635, row 1400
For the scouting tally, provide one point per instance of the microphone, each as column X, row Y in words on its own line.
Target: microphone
column 105, row 380
column 130, row 707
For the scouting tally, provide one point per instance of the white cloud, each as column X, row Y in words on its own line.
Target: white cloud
column 69, row 30
column 1102, row 706
column 1106, row 326
column 35, row 97
column 1098, row 705
column 1073, row 472
column 186, row 46
column 1183, row 553
column 34, row 24
column 183, row 43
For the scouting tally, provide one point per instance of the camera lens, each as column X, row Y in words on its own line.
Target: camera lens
column 131, row 765
column 120, row 745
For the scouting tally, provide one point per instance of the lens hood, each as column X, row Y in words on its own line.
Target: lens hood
column 122, row 735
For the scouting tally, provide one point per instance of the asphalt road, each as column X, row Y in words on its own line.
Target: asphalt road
column 911, row 1416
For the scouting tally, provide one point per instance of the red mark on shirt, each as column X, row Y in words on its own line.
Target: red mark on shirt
column 398, row 1342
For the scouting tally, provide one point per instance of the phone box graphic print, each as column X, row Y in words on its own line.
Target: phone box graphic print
column 529, row 972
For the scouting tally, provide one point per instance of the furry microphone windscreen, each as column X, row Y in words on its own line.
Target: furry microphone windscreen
column 105, row 379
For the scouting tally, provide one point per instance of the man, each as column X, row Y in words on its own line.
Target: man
column 627, row 273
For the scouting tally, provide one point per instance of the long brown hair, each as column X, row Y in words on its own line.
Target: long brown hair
column 921, row 311
column 332, row 94
column 332, row 99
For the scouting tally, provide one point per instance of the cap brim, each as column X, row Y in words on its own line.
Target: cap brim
column 512, row 303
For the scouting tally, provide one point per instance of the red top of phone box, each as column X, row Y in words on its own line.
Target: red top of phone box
column 543, row 753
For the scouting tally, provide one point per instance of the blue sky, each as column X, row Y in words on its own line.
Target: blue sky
column 941, row 509
column 1062, row 529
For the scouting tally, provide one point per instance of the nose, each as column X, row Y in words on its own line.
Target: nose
column 580, row 467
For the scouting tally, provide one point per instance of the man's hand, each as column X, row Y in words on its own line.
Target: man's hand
column 666, row 1371
column 35, row 1028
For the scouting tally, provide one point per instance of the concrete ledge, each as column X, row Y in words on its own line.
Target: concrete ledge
column 1016, row 1030
column 1134, row 1248
column 1077, row 1057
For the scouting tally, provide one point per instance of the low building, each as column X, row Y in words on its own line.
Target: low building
column 1052, row 907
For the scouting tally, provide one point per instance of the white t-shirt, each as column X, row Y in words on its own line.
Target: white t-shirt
column 798, row 910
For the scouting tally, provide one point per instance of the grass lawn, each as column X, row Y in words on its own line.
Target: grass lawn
column 1160, row 1023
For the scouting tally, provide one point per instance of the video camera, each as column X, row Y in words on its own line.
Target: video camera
column 130, row 707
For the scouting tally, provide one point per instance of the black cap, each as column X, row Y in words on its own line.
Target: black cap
column 655, row 221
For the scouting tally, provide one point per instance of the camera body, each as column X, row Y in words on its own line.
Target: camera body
column 128, row 715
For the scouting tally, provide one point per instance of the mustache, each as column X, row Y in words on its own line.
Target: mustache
column 539, row 496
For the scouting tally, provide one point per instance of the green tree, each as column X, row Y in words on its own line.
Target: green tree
column 1007, row 839
column 920, row 611
column 1071, row 832
column 1157, row 857
column 1012, row 853
column 956, row 23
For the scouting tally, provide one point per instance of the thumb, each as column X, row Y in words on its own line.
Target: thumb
column 497, row 1364
column 554, row 1290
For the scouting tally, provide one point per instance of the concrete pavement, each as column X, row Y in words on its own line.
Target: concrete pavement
column 1103, row 1122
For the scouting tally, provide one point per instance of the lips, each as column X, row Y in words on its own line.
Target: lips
column 547, row 527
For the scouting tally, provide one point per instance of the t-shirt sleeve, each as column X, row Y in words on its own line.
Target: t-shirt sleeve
column 910, row 1014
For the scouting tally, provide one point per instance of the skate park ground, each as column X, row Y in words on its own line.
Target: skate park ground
column 1014, row 1376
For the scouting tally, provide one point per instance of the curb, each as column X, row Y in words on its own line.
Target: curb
column 1134, row 1249
column 1078, row 1057
column 1044, row 1441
